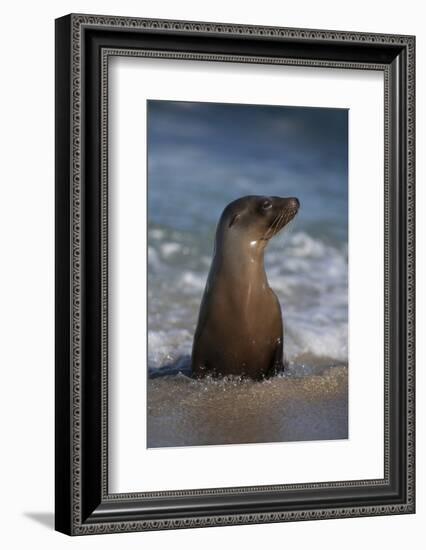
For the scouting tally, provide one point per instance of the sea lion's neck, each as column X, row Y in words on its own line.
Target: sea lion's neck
column 241, row 261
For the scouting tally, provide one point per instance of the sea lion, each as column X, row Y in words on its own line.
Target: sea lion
column 240, row 328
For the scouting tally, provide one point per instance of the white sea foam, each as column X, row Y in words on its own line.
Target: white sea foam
column 167, row 346
column 154, row 261
column 156, row 233
column 169, row 249
column 192, row 281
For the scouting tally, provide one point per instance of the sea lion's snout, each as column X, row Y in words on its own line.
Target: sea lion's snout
column 283, row 211
column 290, row 203
column 294, row 203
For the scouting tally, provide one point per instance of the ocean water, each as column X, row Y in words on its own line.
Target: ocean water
column 200, row 157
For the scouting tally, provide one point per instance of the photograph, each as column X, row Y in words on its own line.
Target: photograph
column 247, row 273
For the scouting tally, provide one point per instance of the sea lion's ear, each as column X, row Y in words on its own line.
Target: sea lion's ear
column 233, row 220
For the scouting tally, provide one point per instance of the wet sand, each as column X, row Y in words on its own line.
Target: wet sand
column 292, row 407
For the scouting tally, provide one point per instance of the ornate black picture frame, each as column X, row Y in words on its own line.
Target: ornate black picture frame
column 83, row 45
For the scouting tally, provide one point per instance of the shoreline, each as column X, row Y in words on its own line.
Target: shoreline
column 186, row 412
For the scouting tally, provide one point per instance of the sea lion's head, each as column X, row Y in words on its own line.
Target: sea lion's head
column 256, row 219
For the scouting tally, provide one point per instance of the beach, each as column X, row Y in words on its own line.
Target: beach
column 183, row 411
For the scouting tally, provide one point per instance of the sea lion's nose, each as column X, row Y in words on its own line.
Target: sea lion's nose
column 294, row 202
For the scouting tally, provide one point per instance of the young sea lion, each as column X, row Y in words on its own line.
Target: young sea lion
column 240, row 329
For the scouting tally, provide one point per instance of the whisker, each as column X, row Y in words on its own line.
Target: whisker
column 289, row 227
column 278, row 224
column 273, row 229
column 266, row 235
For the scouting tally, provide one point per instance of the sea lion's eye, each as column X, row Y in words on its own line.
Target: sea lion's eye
column 266, row 204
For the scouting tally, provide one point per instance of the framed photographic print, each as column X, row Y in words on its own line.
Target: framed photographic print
column 234, row 274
